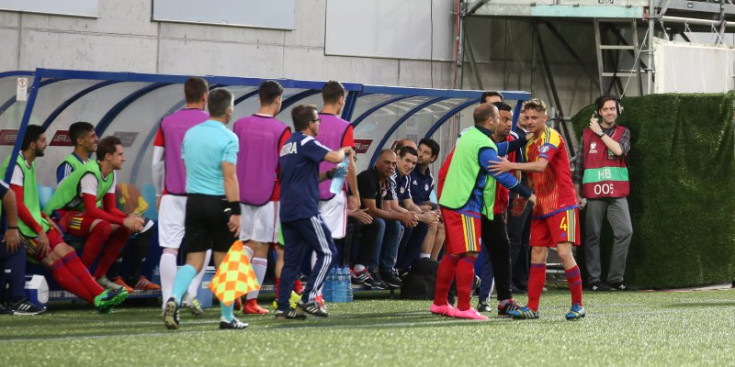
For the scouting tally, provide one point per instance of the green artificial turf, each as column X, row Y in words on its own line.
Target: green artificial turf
column 622, row 329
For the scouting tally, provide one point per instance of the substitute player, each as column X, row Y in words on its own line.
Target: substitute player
column 467, row 192
column 85, row 141
column 261, row 137
column 41, row 236
column 209, row 151
column 169, row 178
column 554, row 219
column 75, row 201
column 335, row 133
column 303, row 227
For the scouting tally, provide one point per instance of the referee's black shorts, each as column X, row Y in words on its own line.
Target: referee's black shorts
column 206, row 224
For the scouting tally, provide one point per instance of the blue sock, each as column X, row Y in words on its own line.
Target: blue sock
column 227, row 311
column 181, row 283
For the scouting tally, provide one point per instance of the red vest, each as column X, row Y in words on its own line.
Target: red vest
column 605, row 174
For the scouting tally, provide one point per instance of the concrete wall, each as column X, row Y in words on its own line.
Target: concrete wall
column 124, row 38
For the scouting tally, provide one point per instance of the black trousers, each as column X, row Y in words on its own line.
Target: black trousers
column 495, row 242
column 519, row 233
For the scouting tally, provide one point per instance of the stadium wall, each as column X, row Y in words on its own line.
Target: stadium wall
column 123, row 38
column 682, row 173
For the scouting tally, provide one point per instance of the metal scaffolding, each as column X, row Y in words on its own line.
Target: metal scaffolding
column 618, row 26
column 673, row 17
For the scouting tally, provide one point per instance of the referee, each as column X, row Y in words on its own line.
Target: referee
column 212, row 220
column 303, row 228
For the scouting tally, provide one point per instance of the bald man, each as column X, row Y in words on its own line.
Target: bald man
column 375, row 265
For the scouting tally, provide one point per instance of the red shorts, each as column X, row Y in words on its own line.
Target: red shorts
column 75, row 223
column 54, row 239
column 462, row 232
column 560, row 227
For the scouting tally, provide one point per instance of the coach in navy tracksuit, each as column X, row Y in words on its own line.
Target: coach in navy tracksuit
column 302, row 226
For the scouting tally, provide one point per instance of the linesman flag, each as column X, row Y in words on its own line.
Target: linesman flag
column 234, row 277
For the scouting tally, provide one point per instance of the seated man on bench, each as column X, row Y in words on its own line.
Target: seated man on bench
column 105, row 228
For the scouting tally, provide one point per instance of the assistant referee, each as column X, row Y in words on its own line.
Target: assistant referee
column 212, row 220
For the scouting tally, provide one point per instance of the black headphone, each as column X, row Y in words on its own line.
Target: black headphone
column 599, row 102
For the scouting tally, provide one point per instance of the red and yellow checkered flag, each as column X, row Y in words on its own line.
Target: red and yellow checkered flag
column 234, row 276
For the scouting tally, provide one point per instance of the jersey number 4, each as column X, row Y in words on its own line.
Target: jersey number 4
column 563, row 225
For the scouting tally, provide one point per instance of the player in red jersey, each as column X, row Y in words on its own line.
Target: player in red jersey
column 555, row 217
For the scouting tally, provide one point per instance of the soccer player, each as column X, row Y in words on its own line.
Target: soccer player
column 13, row 260
column 303, row 227
column 75, row 201
column 261, row 137
column 209, row 151
column 554, row 219
column 169, row 178
column 335, row 133
column 467, row 192
column 496, row 246
column 41, row 236
column 85, row 141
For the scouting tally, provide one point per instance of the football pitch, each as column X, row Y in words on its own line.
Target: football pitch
column 621, row 329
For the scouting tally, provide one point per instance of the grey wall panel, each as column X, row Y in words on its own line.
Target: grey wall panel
column 124, row 18
column 278, row 14
column 84, row 8
column 87, row 52
column 10, row 40
column 220, row 58
column 407, row 29
column 311, row 64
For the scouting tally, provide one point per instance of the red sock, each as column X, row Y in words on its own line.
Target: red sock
column 574, row 280
column 63, row 277
column 465, row 278
column 536, row 280
column 75, row 266
column 298, row 287
column 95, row 240
column 278, row 285
column 444, row 277
column 112, row 251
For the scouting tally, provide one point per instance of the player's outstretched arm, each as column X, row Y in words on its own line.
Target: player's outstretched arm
column 503, row 165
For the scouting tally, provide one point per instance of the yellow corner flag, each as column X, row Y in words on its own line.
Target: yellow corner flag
column 234, row 276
